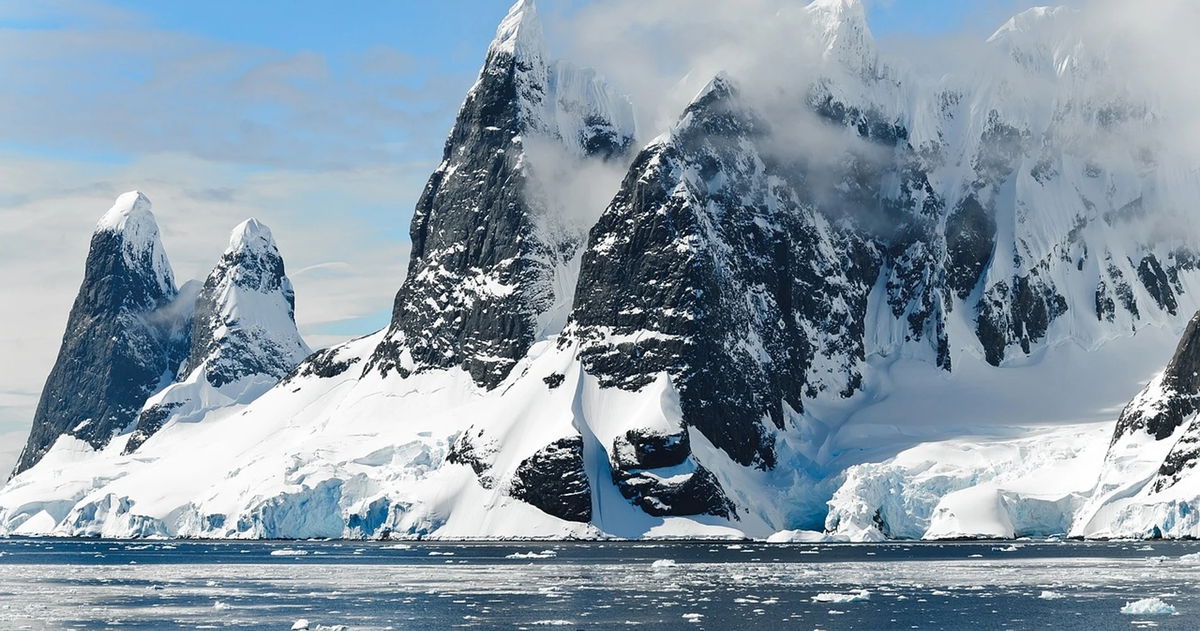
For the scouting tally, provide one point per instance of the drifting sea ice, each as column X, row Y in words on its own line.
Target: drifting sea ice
column 288, row 552
column 305, row 625
column 851, row 597
column 1148, row 607
column 544, row 554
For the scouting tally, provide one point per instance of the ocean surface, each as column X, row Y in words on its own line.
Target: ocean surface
column 108, row 584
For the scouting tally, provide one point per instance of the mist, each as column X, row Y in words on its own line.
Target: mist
column 662, row 52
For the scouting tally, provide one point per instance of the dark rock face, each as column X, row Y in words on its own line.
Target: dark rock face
column 1173, row 398
column 970, row 238
column 697, row 494
column 325, row 364
column 149, row 421
column 554, row 480
column 480, row 270
column 123, row 341
column 1018, row 313
column 1168, row 408
column 701, row 269
column 645, row 449
column 1114, row 291
column 1182, row 458
column 645, row 468
column 1155, row 280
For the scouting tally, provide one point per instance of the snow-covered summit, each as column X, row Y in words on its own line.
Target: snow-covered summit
column 132, row 218
column 130, row 209
column 844, row 22
column 1034, row 22
column 120, row 338
column 1047, row 40
column 251, row 235
column 245, row 320
column 720, row 84
column 520, row 33
column 841, row 28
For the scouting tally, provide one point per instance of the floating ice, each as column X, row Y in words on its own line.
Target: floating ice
column 288, row 552
column 544, row 554
column 1148, row 607
column 663, row 564
column 851, row 597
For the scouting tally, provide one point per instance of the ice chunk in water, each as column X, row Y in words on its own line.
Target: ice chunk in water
column 854, row 596
column 1148, row 607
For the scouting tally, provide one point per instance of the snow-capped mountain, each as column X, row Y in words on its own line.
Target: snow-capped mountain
column 876, row 303
column 490, row 261
column 243, row 337
column 125, row 336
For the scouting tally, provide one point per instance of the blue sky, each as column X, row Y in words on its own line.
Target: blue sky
column 408, row 61
column 321, row 119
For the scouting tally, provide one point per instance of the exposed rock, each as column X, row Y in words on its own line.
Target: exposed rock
column 554, row 480
column 655, row 471
column 483, row 261
column 696, row 493
column 1155, row 280
column 245, row 321
column 646, row 449
column 970, row 236
column 1170, row 398
column 703, row 269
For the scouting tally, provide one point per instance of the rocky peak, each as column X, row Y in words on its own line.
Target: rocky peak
column 483, row 270
column 709, row 267
column 252, row 260
column 245, row 314
column 130, row 230
column 125, row 335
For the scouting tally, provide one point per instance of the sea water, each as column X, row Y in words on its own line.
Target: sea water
column 107, row 584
